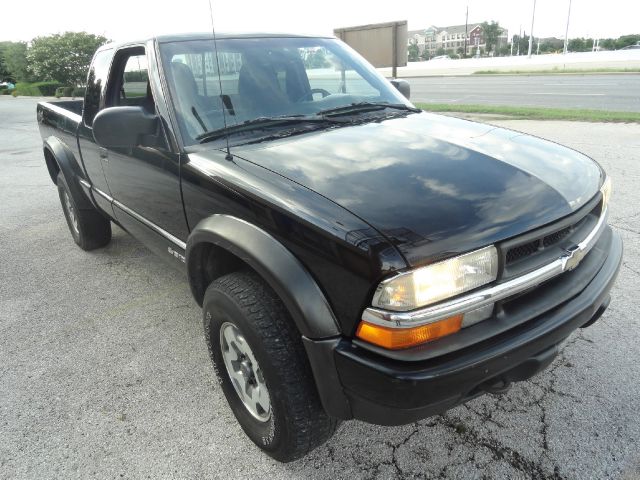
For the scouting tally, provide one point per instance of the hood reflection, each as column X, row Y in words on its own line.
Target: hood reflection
column 424, row 181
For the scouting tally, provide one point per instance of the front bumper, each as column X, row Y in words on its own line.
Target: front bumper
column 393, row 391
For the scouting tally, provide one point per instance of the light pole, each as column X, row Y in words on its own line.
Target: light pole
column 566, row 32
column 533, row 16
column 466, row 27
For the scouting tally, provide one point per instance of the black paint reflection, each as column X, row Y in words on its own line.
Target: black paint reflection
column 455, row 185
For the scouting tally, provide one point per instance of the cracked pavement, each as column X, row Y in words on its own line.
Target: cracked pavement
column 104, row 371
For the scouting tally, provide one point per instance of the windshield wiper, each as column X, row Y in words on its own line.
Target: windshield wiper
column 263, row 122
column 359, row 107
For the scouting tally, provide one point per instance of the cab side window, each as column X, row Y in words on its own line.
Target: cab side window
column 129, row 87
column 135, row 79
column 130, row 80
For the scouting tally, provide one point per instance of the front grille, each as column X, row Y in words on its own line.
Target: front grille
column 523, row 251
column 556, row 237
column 539, row 247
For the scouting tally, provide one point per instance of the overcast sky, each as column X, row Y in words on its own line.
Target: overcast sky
column 129, row 19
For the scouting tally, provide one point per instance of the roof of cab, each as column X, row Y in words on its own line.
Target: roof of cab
column 209, row 35
column 181, row 37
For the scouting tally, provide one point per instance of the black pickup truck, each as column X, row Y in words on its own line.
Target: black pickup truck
column 354, row 256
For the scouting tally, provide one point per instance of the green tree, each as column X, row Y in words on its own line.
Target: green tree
column 13, row 59
column 63, row 57
column 4, row 72
column 413, row 51
column 626, row 40
column 504, row 50
column 549, row 45
column 608, row 43
column 440, row 51
column 523, row 42
column 491, row 32
column 578, row 45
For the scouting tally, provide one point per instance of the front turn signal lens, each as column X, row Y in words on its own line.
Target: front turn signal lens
column 397, row 338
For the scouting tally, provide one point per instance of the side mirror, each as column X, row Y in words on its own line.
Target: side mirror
column 123, row 127
column 403, row 86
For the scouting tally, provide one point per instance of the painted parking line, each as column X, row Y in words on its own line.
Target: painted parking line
column 569, row 94
column 580, row 84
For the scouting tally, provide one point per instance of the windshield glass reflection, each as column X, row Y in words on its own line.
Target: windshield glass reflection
column 265, row 77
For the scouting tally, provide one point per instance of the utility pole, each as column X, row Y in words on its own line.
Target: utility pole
column 533, row 16
column 466, row 27
column 519, row 37
column 566, row 32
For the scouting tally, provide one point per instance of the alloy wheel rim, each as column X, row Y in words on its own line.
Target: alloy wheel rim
column 245, row 373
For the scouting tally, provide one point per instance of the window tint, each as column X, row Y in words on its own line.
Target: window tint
column 95, row 83
column 135, row 78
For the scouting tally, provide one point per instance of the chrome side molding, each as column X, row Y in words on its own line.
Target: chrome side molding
column 176, row 241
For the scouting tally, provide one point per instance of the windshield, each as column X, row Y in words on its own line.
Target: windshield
column 266, row 78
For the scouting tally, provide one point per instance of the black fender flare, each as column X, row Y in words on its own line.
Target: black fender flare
column 70, row 168
column 292, row 282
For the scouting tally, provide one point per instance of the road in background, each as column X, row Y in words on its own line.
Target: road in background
column 615, row 92
column 619, row 59
column 104, row 372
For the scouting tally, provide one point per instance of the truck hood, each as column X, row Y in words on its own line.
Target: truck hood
column 436, row 185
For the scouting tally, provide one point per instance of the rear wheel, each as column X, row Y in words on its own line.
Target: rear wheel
column 262, row 367
column 88, row 227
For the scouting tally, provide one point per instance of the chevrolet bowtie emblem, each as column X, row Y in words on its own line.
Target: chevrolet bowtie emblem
column 572, row 258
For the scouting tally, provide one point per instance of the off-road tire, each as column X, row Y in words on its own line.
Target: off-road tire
column 298, row 423
column 89, row 229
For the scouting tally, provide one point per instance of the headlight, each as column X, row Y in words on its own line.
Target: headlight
column 441, row 280
column 606, row 191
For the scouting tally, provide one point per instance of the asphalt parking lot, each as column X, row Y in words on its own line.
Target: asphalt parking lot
column 104, row 371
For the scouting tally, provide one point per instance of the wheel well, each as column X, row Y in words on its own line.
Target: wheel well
column 52, row 165
column 208, row 262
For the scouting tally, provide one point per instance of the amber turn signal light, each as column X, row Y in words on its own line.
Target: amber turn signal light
column 397, row 338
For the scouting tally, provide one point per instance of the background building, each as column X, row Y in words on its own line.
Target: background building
column 433, row 41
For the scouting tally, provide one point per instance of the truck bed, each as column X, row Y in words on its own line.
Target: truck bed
column 74, row 106
column 58, row 123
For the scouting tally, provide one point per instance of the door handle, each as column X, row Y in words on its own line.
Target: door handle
column 104, row 155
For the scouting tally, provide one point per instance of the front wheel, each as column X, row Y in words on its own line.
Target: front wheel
column 262, row 367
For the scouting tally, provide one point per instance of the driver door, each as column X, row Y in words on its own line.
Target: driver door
column 144, row 180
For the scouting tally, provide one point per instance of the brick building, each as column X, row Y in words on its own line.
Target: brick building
column 451, row 39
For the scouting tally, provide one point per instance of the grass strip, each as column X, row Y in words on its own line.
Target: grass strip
column 536, row 113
